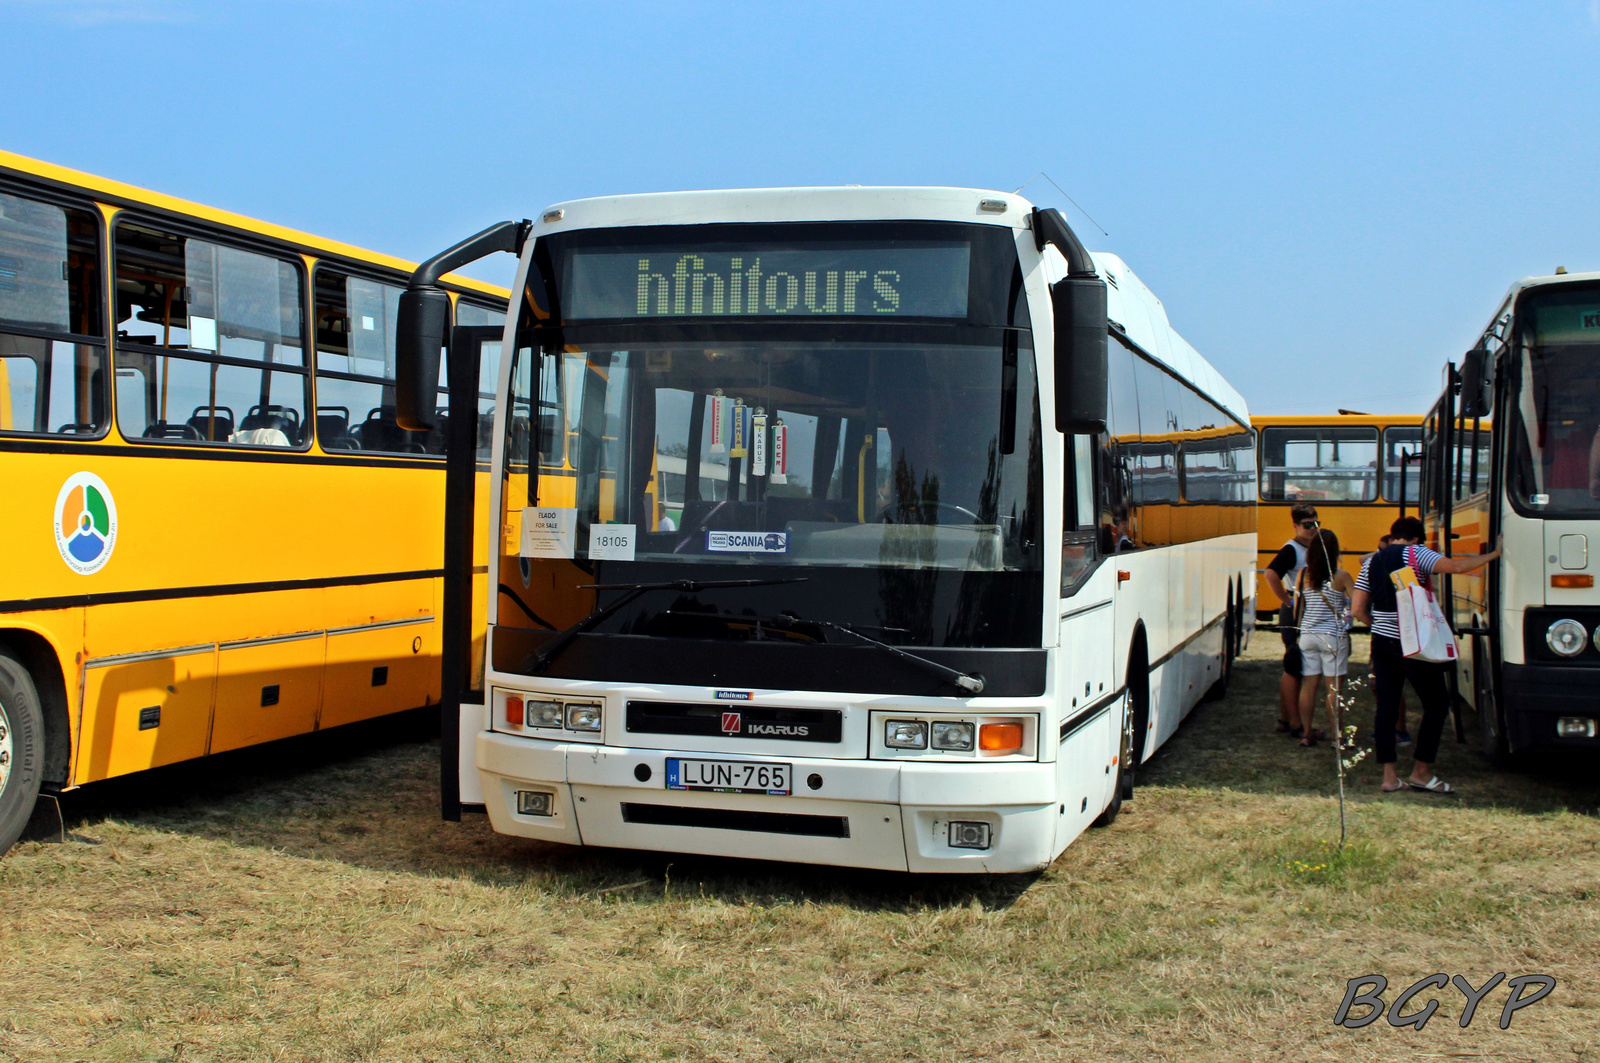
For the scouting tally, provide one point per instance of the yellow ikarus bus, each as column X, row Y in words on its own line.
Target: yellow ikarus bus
column 1360, row 470
column 215, row 533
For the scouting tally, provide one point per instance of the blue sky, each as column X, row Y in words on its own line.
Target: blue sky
column 1329, row 198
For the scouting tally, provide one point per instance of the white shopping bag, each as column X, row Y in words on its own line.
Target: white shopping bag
column 1424, row 633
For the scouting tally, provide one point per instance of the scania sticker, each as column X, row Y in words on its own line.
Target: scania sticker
column 86, row 523
column 735, row 695
column 738, row 542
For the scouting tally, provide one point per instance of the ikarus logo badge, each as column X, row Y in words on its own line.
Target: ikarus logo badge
column 86, row 523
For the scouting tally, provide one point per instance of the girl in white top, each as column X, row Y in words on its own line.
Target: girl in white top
column 1324, row 598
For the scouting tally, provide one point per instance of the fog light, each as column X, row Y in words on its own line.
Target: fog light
column 514, row 711
column 1575, row 727
column 1566, row 637
column 905, row 734
column 1000, row 737
column 952, row 735
column 536, row 803
column 583, row 717
column 968, row 835
column 543, row 713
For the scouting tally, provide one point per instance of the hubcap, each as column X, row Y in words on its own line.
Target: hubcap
column 5, row 747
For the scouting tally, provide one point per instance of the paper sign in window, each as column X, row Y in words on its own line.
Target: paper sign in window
column 611, row 542
column 203, row 333
column 548, row 532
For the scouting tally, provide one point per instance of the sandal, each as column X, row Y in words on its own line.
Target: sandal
column 1309, row 741
column 1318, row 736
column 1434, row 785
column 1396, row 788
column 1284, row 728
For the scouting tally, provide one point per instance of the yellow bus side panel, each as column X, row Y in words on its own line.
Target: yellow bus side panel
column 179, row 689
column 265, row 692
column 410, row 657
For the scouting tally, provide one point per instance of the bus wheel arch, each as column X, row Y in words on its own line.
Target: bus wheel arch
column 38, row 656
column 1138, row 697
column 24, row 745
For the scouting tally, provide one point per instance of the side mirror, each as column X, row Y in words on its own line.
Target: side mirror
column 1476, row 390
column 419, row 338
column 1079, row 311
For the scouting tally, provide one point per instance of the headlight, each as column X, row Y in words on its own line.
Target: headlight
column 543, row 713
column 905, row 734
column 954, row 735
column 1566, row 637
column 583, row 717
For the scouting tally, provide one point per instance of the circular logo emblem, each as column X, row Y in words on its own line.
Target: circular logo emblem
column 86, row 523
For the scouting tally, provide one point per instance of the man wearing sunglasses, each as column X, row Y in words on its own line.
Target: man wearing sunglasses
column 1282, row 574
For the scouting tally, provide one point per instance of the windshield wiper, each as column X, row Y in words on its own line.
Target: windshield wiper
column 972, row 684
column 564, row 638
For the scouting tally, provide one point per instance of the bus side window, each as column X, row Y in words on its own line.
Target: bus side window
column 1078, row 552
column 216, row 334
column 488, row 371
column 355, row 324
column 52, row 347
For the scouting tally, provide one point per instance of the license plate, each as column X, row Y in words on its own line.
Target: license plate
column 729, row 776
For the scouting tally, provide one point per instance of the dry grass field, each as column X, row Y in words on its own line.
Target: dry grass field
column 303, row 902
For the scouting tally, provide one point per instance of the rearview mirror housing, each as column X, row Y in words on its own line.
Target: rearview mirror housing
column 1476, row 384
column 419, row 340
column 1079, row 312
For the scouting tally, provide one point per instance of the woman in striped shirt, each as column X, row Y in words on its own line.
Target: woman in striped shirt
column 1374, row 603
column 1323, row 592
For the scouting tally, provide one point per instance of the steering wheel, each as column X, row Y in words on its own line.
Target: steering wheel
column 971, row 517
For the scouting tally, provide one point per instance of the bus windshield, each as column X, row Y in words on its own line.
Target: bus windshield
column 855, row 454
column 1555, row 451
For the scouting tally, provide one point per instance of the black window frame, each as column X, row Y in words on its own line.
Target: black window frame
column 239, row 242
column 102, row 341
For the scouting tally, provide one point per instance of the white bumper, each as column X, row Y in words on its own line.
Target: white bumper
column 861, row 813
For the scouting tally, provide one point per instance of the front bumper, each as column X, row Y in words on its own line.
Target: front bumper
column 891, row 815
column 1535, row 696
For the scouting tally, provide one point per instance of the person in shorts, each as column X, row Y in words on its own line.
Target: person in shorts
column 1281, row 574
column 1324, row 607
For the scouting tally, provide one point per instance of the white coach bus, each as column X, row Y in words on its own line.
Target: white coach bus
column 1529, row 624
column 964, row 528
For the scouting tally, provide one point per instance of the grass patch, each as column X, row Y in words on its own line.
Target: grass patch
column 304, row 903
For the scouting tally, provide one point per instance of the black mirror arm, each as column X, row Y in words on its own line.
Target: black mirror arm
column 1049, row 227
column 508, row 236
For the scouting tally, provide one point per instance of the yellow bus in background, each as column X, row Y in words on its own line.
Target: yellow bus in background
column 216, row 533
column 1360, row 471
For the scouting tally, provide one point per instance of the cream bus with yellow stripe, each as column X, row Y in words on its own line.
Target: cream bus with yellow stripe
column 216, row 533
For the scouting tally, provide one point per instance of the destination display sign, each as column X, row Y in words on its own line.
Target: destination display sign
column 920, row 280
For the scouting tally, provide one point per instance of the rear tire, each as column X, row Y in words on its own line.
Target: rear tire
column 1491, row 724
column 21, row 748
column 1219, row 689
column 1122, row 788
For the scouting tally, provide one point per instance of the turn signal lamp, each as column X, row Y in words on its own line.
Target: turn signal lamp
column 1572, row 580
column 1000, row 737
column 514, row 710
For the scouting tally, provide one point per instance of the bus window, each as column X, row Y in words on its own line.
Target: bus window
column 50, row 288
column 488, row 370
column 1319, row 463
column 214, row 333
column 355, row 320
column 1403, row 446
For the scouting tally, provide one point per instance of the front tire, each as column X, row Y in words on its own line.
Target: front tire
column 21, row 749
column 1491, row 724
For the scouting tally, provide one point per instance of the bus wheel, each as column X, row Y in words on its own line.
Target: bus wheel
column 1219, row 689
column 1123, row 789
column 21, row 749
column 1491, row 724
